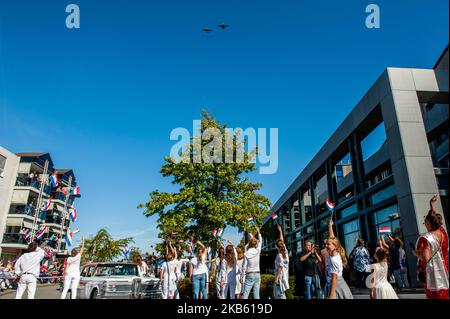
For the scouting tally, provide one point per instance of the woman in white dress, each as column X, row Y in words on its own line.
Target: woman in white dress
column 229, row 271
column 281, row 268
column 218, row 271
column 380, row 288
column 168, row 275
column 239, row 263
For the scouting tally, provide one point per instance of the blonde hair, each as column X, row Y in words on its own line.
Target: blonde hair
column 340, row 249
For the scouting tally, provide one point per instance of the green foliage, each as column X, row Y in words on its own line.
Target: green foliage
column 210, row 195
column 102, row 247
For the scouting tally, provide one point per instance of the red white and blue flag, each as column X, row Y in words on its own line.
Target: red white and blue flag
column 26, row 233
column 54, row 179
column 274, row 216
column 41, row 231
column 214, row 232
column 76, row 191
column 330, row 204
column 76, row 230
column 220, row 232
column 69, row 237
column 250, row 219
column 73, row 215
column 384, row 230
column 47, row 204
column 126, row 252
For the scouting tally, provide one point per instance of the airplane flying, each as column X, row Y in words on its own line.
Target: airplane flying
column 223, row 26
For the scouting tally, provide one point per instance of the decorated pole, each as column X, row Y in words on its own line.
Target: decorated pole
column 39, row 201
column 65, row 213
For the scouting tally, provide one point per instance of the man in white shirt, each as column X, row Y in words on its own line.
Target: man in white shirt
column 251, row 278
column 72, row 272
column 27, row 269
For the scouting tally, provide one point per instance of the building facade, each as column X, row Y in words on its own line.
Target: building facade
column 380, row 167
column 27, row 199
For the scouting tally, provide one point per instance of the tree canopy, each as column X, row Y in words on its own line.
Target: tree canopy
column 103, row 247
column 211, row 195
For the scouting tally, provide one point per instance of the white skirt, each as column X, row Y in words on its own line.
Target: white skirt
column 384, row 290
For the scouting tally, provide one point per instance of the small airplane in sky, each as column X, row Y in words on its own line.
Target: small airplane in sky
column 206, row 30
column 223, row 26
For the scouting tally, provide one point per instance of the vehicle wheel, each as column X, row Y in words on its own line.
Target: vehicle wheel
column 94, row 294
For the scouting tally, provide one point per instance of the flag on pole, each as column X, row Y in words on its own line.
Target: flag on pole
column 41, row 231
column 54, row 179
column 126, row 252
column 274, row 216
column 76, row 191
column 47, row 204
column 384, row 230
column 330, row 204
column 73, row 214
column 69, row 237
column 26, row 233
column 250, row 219
column 214, row 232
column 76, row 230
column 220, row 232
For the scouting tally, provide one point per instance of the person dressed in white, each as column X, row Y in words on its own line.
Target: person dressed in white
column 72, row 272
column 239, row 264
column 27, row 269
column 218, row 271
column 228, row 272
column 168, row 276
column 380, row 288
column 143, row 267
column 281, row 268
column 251, row 278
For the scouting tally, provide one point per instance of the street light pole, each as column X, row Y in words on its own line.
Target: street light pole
column 39, row 201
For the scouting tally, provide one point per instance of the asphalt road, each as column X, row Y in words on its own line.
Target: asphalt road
column 50, row 292
column 46, row 291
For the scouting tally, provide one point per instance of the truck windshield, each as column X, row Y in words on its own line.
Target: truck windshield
column 116, row 270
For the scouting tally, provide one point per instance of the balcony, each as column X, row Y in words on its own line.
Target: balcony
column 22, row 210
column 24, row 181
column 14, row 238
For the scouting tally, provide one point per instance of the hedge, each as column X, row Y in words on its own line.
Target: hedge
column 266, row 288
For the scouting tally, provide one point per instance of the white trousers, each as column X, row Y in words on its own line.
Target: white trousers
column 27, row 282
column 70, row 281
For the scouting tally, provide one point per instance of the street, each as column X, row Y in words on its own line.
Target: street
column 46, row 291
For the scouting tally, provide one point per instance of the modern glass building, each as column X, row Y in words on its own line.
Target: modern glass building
column 380, row 167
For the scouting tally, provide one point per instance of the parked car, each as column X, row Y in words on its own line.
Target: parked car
column 150, row 286
column 110, row 280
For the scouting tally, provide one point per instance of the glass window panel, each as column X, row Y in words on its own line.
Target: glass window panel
column 350, row 210
column 383, row 194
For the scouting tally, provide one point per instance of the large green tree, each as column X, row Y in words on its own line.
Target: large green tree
column 103, row 247
column 211, row 194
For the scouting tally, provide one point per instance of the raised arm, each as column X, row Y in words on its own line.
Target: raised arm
column 82, row 246
column 330, row 229
column 383, row 243
column 259, row 239
column 433, row 201
column 280, row 232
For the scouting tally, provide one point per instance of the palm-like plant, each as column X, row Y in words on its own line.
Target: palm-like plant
column 103, row 247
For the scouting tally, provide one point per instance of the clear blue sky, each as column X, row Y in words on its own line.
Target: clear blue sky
column 103, row 99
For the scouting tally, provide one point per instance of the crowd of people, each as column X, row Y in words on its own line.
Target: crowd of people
column 236, row 270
